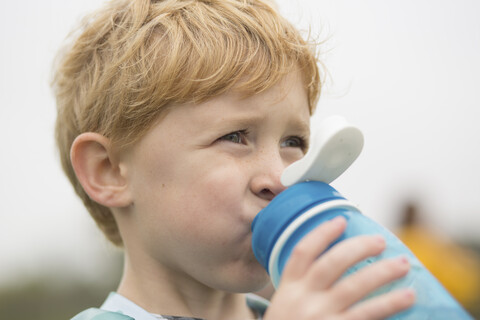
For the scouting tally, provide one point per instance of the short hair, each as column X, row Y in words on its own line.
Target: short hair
column 132, row 59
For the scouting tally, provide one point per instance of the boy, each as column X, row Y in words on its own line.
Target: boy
column 175, row 121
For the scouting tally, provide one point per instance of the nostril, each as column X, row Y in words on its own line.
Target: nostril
column 267, row 194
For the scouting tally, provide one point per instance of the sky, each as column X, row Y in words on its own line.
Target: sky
column 406, row 73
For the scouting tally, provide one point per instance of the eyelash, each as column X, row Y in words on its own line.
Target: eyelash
column 242, row 133
column 301, row 142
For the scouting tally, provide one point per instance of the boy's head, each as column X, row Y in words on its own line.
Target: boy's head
column 133, row 60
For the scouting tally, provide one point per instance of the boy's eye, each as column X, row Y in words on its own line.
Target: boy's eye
column 294, row 142
column 235, row 137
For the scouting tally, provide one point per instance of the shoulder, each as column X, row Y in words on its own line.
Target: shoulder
column 98, row 314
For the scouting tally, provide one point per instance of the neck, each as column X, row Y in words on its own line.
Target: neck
column 169, row 292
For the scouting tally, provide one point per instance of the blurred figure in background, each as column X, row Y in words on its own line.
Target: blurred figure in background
column 455, row 266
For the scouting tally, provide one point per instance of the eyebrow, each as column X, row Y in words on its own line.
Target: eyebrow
column 296, row 124
column 301, row 126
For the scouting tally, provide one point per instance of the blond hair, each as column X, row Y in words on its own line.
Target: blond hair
column 134, row 58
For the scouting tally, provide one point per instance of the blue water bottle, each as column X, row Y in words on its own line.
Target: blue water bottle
column 310, row 201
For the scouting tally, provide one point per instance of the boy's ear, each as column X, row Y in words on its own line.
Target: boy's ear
column 98, row 171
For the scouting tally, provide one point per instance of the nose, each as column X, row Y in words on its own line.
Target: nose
column 265, row 183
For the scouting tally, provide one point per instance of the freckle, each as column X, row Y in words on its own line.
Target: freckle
column 163, row 185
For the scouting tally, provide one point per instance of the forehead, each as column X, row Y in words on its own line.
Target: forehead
column 292, row 82
column 280, row 107
column 287, row 98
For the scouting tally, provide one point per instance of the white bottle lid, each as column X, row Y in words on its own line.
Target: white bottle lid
column 334, row 147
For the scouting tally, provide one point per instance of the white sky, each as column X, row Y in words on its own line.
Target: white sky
column 406, row 72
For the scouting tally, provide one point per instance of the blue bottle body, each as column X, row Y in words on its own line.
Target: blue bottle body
column 304, row 206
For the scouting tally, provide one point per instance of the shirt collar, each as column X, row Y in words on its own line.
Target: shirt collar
column 118, row 303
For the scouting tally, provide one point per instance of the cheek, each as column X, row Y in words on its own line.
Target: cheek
column 218, row 194
column 211, row 207
column 213, row 180
column 290, row 155
column 225, row 187
column 203, row 198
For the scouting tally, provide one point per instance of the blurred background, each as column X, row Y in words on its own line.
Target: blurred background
column 407, row 73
